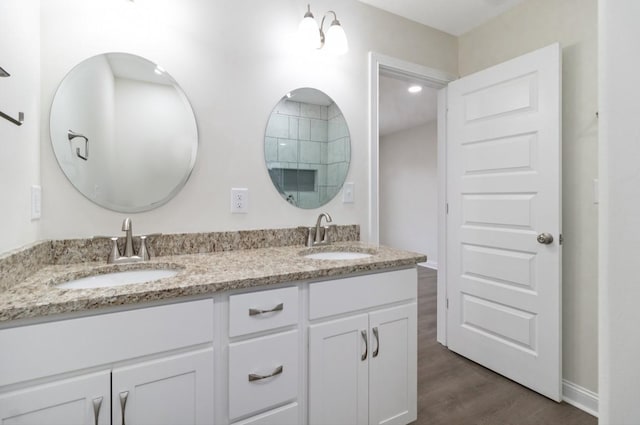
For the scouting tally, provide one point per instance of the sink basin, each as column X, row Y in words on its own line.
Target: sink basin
column 336, row 253
column 118, row 278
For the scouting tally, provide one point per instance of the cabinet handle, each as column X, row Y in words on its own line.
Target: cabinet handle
column 123, row 403
column 256, row 377
column 366, row 345
column 375, row 333
column 255, row 311
column 97, row 403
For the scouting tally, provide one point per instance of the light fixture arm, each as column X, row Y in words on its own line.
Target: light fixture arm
column 334, row 22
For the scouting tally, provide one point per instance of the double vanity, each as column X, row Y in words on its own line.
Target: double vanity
column 279, row 326
column 249, row 327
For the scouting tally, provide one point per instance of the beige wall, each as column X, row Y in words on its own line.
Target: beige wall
column 234, row 60
column 529, row 26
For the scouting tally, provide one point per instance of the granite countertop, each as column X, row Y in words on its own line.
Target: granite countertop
column 199, row 274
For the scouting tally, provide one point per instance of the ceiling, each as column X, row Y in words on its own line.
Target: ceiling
column 455, row 17
column 401, row 110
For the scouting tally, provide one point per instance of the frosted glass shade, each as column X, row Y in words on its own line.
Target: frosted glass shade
column 308, row 34
column 336, row 40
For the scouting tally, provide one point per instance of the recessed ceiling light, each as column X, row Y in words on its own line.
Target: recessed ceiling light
column 415, row 89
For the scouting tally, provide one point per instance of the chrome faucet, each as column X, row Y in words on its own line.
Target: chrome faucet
column 129, row 256
column 319, row 235
column 128, row 246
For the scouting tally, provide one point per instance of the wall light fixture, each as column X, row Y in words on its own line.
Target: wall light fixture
column 313, row 37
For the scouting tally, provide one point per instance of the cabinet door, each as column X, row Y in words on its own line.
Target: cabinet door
column 83, row 400
column 338, row 360
column 393, row 365
column 167, row 391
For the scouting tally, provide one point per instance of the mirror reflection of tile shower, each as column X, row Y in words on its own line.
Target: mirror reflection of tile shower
column 307, row 149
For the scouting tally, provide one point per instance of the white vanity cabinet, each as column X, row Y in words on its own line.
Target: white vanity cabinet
column 159, row 360
column 167, row 391
column 363, row 364
column 79, row 400
column 264, row 354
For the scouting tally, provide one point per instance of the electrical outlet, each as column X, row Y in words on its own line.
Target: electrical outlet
column 239, row 201
column 36, row 202
column 347, row 193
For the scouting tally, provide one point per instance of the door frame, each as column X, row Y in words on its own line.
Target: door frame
column 438, row 79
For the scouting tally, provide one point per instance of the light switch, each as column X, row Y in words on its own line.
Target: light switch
column 239, row 200
column 347, row 193
column 36, row 202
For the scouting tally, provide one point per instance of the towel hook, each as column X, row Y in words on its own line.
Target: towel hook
column 72, row 135
column 20, row 119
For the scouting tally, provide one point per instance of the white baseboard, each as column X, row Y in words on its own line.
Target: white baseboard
column 429, row 264
column 580, row 397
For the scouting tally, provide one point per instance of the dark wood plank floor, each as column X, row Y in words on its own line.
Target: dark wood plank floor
column 453, row 390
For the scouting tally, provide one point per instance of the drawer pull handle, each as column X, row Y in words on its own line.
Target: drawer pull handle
column 256, row 377
column 366, row 345
column 255, row 311
column 97, row 403
column 123, row 403
column 375, row 333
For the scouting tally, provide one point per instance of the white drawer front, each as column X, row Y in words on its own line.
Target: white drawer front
column 46, row 349
column 361, row 292
column 285, row 415
column 263, row 310
column 275, row 354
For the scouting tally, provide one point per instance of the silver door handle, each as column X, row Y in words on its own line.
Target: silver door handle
column 375, row 333
column 366, row 345
column 545, row 238
column 97, row 403
column 123, row 404
column 255, row 311
column 256, row 377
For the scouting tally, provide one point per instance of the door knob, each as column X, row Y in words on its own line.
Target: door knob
column 545, row 238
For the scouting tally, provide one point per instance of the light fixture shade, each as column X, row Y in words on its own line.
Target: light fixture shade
column 309, row 34
column 336, row 40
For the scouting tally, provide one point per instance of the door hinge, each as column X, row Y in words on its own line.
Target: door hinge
column 447, row 208
column 447, row 302
column 560, row 239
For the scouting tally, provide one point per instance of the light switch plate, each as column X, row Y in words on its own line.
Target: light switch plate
column 347, row 193
column 36, row 202
column 239, row 200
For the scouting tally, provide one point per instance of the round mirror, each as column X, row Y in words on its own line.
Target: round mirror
column 307, row 148
column 123, row 132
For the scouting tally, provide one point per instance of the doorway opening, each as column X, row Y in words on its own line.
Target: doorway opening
column 395, row 228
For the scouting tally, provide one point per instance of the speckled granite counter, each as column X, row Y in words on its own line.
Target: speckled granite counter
column 200, row 274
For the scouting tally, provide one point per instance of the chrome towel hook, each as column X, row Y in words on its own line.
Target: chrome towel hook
column 20, row 119
column 72, row 135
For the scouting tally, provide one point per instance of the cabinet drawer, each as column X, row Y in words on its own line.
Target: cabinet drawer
column 285, row 415
column 361, row 292
column 263, row 310
column 46, row 349
column 275, row 355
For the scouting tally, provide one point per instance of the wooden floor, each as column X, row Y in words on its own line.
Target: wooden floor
column 453, row 390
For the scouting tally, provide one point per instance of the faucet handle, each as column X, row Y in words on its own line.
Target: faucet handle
column 143, row 252
column 114, row 254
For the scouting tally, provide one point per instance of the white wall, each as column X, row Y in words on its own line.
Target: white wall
column 409, row 190
column 234, row 60
column 529, row 26
column 620, row 212
column 19, row 146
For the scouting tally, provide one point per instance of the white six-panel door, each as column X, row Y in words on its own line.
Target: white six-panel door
column 503, row 190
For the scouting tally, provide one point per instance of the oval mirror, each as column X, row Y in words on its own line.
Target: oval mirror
column 307, row 148
column 123, row 132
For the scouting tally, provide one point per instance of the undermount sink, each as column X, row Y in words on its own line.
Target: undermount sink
column 118, row 278
column 337, row 255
